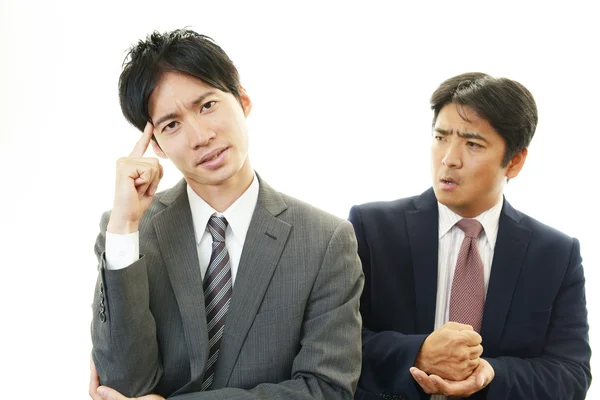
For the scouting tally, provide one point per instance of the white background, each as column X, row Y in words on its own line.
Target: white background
column 341, row 116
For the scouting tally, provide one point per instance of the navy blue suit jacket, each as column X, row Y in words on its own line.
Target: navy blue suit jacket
column 534, row 328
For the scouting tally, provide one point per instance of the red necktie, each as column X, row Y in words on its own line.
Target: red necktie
column 468, row 292
column 467, row 297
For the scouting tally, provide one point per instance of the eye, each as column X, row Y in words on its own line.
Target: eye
column 170, row 126
column 208, row 106
column 474, row 145
column 438, row 137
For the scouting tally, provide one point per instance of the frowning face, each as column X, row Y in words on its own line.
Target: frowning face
column 467, row 155
column 202, row 130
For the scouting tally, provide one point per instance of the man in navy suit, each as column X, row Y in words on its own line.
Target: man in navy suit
column 521, row 330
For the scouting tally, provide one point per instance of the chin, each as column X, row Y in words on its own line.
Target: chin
column 446, row 199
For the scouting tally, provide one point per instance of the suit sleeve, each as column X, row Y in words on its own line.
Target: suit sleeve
column 327, row 365
column 387, row 355
column 563, row 370
column 125, row 350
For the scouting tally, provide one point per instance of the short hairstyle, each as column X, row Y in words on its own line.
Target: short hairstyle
column 506, row 104
column 181, row 50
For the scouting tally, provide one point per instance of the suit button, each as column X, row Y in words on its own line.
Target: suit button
column 102, row 316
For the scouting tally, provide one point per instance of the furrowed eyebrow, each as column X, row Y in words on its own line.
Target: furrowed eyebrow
column 201, row 98
column 195, row 102
column 464, row 135
column 164, row 118
column 472, row 135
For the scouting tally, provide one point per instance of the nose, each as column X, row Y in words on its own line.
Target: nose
column 198, row 132
column 452, row 158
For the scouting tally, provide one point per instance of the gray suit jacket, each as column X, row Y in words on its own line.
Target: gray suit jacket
column 293, row 326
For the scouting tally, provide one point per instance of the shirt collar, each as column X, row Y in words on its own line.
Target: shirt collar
column 489, row 219
column 238, row 215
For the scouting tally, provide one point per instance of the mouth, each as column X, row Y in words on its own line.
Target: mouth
column 448, row 181
column 213, row 155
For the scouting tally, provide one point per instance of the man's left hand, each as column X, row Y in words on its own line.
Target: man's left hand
column 98, row 392
column 433, row 384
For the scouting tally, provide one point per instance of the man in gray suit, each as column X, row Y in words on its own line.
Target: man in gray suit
column 220, row 287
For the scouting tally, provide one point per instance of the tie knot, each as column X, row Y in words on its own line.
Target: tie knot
column 471, row 227
column 216, row 226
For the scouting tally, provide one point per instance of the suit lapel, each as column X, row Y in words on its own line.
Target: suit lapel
column 265, row 241
column 175, row 231
column 509, row 254
column 422, row 225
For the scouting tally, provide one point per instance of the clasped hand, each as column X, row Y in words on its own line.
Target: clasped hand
column 449, row 362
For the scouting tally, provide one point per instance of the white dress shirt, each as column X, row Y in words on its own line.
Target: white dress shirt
column 450, row 240
column 123, row 250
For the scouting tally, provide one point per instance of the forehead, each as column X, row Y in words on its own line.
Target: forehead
column 458, row 118
column 176, row 89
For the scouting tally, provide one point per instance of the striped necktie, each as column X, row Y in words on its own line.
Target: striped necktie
column 217, row 294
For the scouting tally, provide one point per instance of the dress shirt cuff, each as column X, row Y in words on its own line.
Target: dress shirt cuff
column 122, row 250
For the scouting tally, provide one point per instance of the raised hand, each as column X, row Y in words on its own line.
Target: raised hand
column 136, row 182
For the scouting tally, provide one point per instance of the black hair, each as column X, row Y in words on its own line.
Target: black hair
column 506, row 104
column 181, row 50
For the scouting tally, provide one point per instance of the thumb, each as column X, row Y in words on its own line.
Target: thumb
column 109, row 394
column 484, row 377
column 481, row 378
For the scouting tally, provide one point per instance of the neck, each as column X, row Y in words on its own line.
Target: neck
column 221, row 196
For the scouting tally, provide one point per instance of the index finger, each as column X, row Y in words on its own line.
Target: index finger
column 142, row 145
column 472, row 338
column 457, row 326
column 94, row 380
column 453, row 388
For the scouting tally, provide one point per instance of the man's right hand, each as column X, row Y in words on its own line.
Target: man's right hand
column 450, row 352
column 136, row 182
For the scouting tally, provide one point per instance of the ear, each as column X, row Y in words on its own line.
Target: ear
column 516, row 164
column 157, row 150
column 246, row 102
